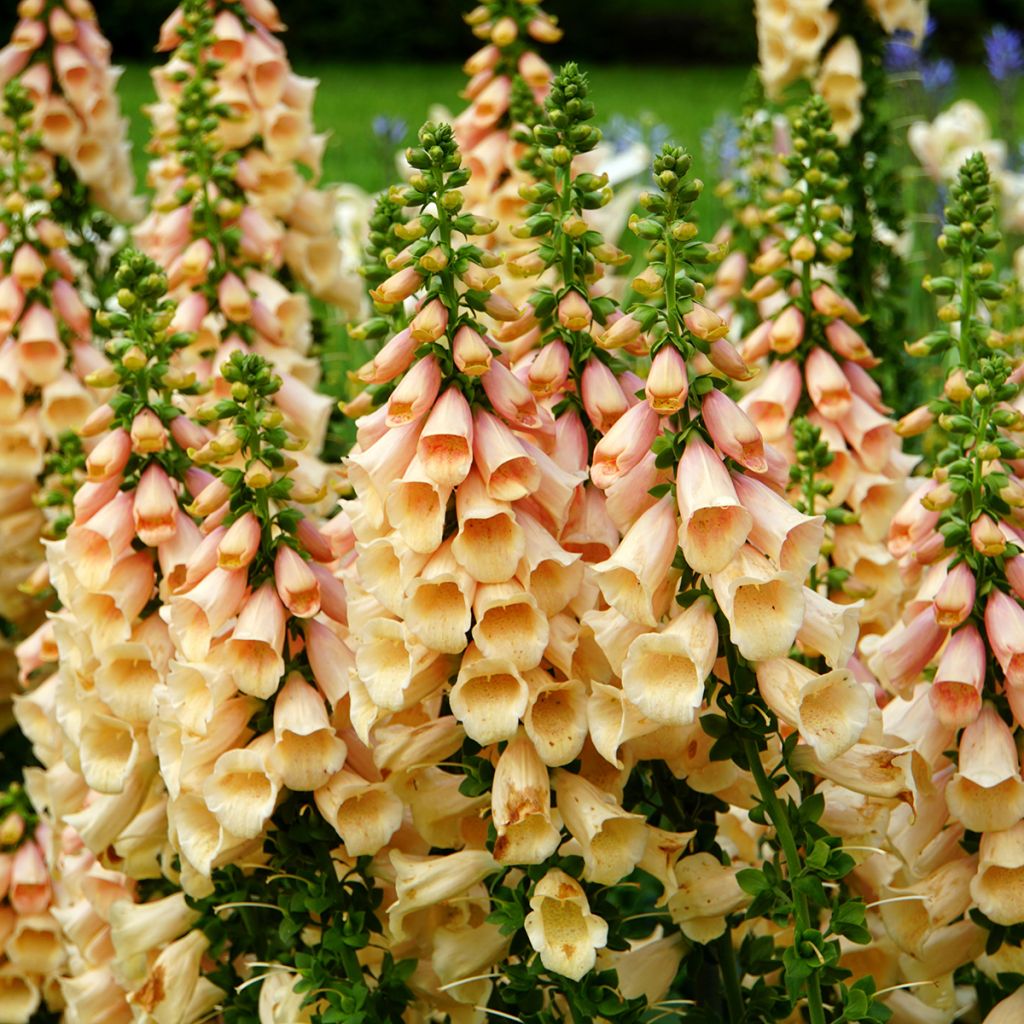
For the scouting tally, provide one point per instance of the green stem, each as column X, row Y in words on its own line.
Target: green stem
column 794, row 865
column 966, row 315
column 671, row 300
column 565, row 208
column 444, row 235
column 730, row 972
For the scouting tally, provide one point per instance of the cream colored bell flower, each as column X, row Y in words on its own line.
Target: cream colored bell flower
column 35, row 946
column 830, row 711
column 443, row 816
column 998, row 887
column 840, row 81
column 707, row 893
column 388, row 661
column 647, row 969
column 198, row 835
column 490, row 541
column 944, row 897
column 561, row 927
column 171, row 983
column 613, row 720
column 764, row 606
column 553, row 575
column 987, row 792
column 790, row 539
column 489, row 697
column 631, row 578
column 437, row 603
column 140, row 927
column 521, row 806
column 19, row 995
column 612, row 840
column 279, row 1003
column 242, row 790
column 877, row 771
column 387, row 567
column 109, row 751
column 306, row 751
column 415, row 507
column 556, row 718
column 664, row 673
column 422, row 882
column 365, row 814
column 509, row 625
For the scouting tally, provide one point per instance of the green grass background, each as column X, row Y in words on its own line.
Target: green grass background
column 351, row 95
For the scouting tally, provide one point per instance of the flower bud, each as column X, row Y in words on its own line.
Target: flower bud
column 667, row 383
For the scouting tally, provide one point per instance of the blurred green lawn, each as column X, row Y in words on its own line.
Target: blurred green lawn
column 685, row 100
column 350, row 96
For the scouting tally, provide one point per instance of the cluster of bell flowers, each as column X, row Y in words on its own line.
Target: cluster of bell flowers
column 234, row 211
column 101, row 942
column 31, row 948
column 947, row 867
column 46, row 357
column 815, row 367
column 792, row 34
column 143, row 731
column 88, row 722
column 61, row 57
column 548, row 601
column 265, row 114
column 255, row 625
column 508, row 85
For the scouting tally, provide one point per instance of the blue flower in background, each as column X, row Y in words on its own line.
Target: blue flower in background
column 623, row 132
column 1004, row 54
column 938, row 76
column 721, row 145
column 391, row 130
column 901, row 55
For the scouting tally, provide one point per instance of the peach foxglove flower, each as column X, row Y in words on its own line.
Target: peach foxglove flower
column 830, row 711
column 296, row 583
column 997, row 889
column 470, row 352
column 508, row 469
column 957, row 685
column 521, row 806
column 611, row 840
column 664, row 673
column 632, row 577
column 603, row 398
column 624, row 445
column 425, row 882
column 987, row 793
column 1004, row 627
column 733, row 432
column 364, row 814
column 714, row 525
column 764, row 606
column 306, row 751
column 445, row 445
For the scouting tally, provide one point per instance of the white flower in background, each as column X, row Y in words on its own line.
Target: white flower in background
column 942, row 145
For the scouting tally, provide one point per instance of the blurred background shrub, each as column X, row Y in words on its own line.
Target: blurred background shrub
column 675, row 32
